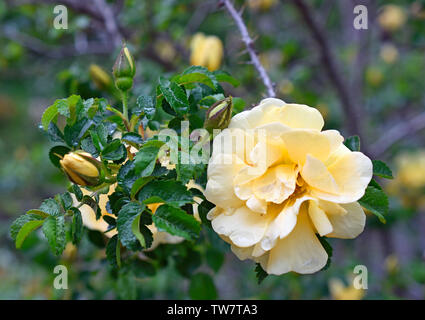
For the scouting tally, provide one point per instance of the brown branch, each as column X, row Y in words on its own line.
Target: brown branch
column 249, row 43
column 109, row 20
column 55, row 52
column 397, row 133
column 317, row 33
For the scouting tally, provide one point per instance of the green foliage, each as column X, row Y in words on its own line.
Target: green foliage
column 176, row 222
column 202, row 287
column 54, row 230
column 260, row 273
column 376, row 201
column 381, row 169
column 353, row 143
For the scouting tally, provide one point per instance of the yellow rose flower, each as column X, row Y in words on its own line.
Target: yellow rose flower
column 206, row 51
column 277, row 179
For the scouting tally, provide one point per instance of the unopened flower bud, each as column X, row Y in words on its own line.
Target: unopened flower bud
column 100, row 78
column 219, row 114
column 124, row 70
column 81, row 168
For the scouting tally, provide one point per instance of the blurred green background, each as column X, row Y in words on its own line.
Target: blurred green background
column 368, row 82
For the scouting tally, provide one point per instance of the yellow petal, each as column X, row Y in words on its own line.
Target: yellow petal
column 300, row 251
column 351, row 224
column 220, row 188
column 283, row 223
column 277, row 184
column 317, row 176
column 352, row 173
column 299, row 143
column 319, row 219
column 302, row 117
column 244, row 227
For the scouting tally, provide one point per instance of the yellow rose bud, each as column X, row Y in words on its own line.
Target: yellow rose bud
column 219, row 114
column 100, row 78
column 392, row 18
column 206, row 51
column 81, row 168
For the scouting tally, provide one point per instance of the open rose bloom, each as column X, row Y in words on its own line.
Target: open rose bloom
column 278, row 180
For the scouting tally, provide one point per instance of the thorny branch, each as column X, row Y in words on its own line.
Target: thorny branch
column 352, row 119
column 249, row 43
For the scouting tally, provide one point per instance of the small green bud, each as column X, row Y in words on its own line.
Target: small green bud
column 124, row 70
column 219, row 114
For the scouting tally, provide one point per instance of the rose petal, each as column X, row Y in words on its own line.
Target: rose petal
column 300, row 251
column 244, row 227
column 351, row 224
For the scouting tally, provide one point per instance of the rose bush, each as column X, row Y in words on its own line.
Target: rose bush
column 277, row 179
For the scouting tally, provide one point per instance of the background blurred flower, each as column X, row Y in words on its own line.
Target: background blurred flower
column 339, row 291
column 392, row 17
column 206, row 51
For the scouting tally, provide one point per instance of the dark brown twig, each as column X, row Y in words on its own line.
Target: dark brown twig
column 352, row 118
column 249, row 43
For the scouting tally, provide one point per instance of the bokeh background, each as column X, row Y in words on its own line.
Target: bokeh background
column 367, row 82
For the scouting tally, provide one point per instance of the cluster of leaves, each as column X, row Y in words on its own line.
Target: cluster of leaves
column 130, row 163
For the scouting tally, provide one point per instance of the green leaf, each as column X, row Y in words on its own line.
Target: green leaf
column 77, row 192
column 139, row 184
column 142, row 233
column 114, row 150
column 66, row 200
column 202, row 287
column 174, row 95
column 40, row 213
column 74, row 133
column 192, row 77
column 168, row 191
column 26, row 230
column 21, row 221
column 113, row 252
column 126, row 217
column 54, row 230
column 132, row 137
column 186, row 172
column 224, row 76
column 49, row 114
column 145, row 158
column 376, row 201
column 260, row 273
column 375, row 184
column 381, row 169
column 176, row 222
column 328, row 248
column 353, row 143
column 99, row 137
column 76, row 226
column 146, row 105
column 51, row 207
